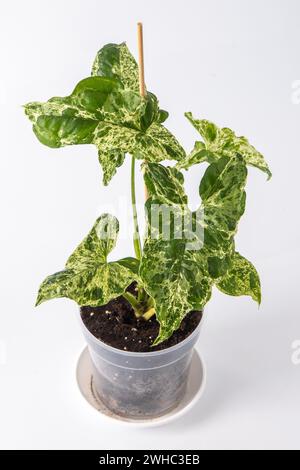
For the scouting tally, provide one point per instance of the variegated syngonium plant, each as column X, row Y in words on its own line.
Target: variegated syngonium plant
column 174, row 274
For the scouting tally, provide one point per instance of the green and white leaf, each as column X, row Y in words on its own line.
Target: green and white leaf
column 220, row 142
column 199, row 154
column 177, row 277
column 241, row 279
column 104, row 112
column 72, row 119
column 116, row 61
column 154, row 145
column 176, row 280
column 223, row 203
column 89, row 279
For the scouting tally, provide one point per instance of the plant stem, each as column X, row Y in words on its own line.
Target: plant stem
column 136, row 234
column 133, row 302
column 149, row 313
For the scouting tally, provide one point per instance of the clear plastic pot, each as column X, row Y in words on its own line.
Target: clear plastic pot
column 140, row 385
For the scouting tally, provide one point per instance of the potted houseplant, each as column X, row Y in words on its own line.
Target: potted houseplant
column 141, row 315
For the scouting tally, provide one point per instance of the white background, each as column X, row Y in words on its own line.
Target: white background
column 233, row 62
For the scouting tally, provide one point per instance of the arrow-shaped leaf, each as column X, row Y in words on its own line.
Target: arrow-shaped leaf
column 116, row 119
column 178, row 277
column 220, row 142
column 223, row 203
column 88, row 278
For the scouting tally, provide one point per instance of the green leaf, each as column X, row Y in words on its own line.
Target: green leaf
column 110, row 160
column 241, row 279
column 165, row 184
column 151, row 113
column 99, row 242
column 103, row 111
column 198, row 155
column 223, row 203
column 113, row 142
column 177, row 272
column 116, row 61
column 130, row 263
column 73, row 119
column 160, row 145
column 88, row 278
column 174, row 276
column 177, row 281
column 221, row 142
column 162, row 115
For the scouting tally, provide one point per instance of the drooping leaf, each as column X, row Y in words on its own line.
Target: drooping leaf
column 154, row 145
column 220, row 142
column 241, row 279
column 151, row 113
column 110, row 161
column 89, row 279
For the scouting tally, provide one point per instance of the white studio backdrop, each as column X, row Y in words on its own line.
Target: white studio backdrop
column 235, row 62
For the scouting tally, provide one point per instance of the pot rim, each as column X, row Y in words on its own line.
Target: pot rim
column 142, row 354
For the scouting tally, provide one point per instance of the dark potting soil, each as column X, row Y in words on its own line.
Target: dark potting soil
column 116, row 325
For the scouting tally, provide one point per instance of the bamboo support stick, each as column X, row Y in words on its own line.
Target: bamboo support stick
column 141, row 59
column 141, row 73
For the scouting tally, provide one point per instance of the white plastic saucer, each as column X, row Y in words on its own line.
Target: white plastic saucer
column 195, row 388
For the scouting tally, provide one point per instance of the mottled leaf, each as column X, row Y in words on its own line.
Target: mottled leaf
column 223, row 203
column 178, row 277
column 113, row 142
column 88, row 278
column 97, row 245
column 162, row 115
column 160, row 145
column 110, row 161
column 176, row 280
column 165, row 184
column 199, row 154
column 175, row 277
column 221, row 142
column 109, row 112
column 73, row 119
column 241, row 279
column 130, row 263
column 116, row 61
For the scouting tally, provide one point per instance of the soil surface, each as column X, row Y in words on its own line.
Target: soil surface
column 116, row 325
